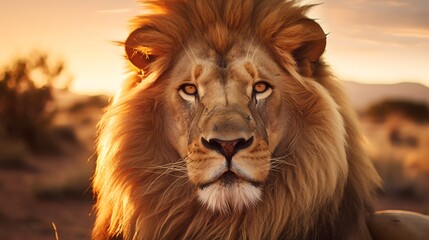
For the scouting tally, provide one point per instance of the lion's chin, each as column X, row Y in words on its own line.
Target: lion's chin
column 232, row 197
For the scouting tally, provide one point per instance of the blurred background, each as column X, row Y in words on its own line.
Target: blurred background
column 59, row 66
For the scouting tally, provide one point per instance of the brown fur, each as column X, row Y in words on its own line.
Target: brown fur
column 143, row 190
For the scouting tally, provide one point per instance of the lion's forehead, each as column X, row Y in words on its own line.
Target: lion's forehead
column 245, row 59
column 215, row 82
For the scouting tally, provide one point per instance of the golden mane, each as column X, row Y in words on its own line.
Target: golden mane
column 136, row 201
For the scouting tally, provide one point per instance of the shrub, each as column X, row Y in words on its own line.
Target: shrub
column 416, row 111
column 27, row 106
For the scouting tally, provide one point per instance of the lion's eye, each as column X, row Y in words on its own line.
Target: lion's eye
column 260, row 87
column 262, row 90
column 188, row 91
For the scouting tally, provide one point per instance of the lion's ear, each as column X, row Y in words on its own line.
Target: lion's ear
column 311, row 47
column 314, row 42
column 137, row 52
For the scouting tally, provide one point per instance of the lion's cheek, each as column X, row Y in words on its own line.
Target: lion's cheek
column 177, row 134
column 203, row 169
column 255, row 168
column 275, row 137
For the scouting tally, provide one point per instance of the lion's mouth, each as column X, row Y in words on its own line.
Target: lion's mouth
column 227, row 179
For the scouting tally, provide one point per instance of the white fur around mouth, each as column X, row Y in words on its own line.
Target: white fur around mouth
column 231, row 197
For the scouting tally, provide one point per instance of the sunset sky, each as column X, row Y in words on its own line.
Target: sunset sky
column 383, row 41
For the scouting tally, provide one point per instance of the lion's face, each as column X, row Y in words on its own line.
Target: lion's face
column 227, row 111
column 235, row 108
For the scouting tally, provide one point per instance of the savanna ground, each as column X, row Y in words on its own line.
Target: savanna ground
column 39, row 190
column 50, row 191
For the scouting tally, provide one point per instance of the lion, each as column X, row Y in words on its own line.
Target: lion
column 232, row 127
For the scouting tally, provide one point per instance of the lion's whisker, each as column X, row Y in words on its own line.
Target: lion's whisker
column 178, row 167
column 278, row 161
column 172, row 184
column 250, row 45
column 193, row 53
column 159, row 177
column 165, row 169
column 189, row 55
column 256, row 49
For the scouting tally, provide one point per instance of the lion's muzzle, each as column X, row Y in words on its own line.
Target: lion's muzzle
column 228, row 160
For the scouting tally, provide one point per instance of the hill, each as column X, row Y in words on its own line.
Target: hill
column 362, row 95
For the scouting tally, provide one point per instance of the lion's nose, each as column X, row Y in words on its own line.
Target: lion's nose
column 227, row 148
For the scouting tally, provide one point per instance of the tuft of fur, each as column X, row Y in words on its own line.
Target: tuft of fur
column 140, row 180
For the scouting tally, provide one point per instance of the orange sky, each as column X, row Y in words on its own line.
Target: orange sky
column 381, row 41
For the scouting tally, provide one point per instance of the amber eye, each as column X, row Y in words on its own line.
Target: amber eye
column 262, row 90
column 189, row 89
column 261, row 87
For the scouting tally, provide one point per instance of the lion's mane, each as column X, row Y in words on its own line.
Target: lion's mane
column 136, row 201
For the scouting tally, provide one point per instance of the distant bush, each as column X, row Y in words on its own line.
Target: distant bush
column 416, row 111
column 27, row 106
column 14, row 155
column 97, row 101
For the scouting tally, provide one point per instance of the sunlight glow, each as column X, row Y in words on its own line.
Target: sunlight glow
column 366, row 46
column 151, row 9
column 120, row 10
